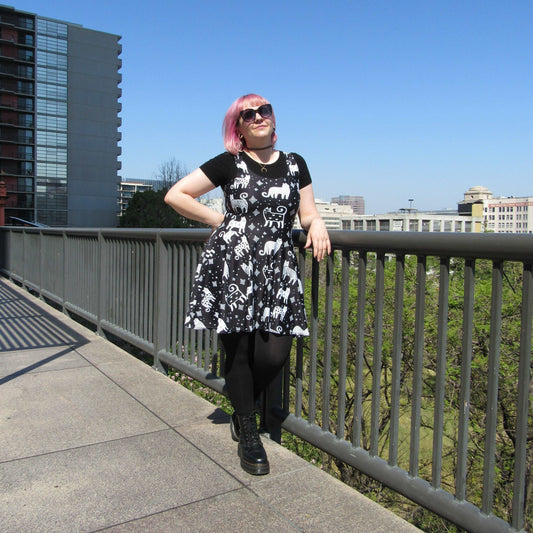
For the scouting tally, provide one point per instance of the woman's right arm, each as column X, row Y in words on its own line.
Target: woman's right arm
column 182, row 198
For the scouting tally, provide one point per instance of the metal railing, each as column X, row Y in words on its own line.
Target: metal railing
column 389, row 382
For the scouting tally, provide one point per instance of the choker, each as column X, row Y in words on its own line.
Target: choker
column 264, row 148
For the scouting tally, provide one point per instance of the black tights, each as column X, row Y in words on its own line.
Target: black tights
column 253, row 360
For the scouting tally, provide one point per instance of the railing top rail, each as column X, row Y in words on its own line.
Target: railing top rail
column 494, row 246
column 498, row 246
column 178, row 234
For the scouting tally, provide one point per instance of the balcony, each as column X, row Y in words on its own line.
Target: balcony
column 13, row 168
column 389, row 384
column 16, row 87
column 16, row 152
column 9, row 18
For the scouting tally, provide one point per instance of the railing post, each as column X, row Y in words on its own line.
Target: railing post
column 102, row 283
column 41, row 264
column 272, row 398
column 418, row 365
column 65, row 273
column 492, row 387
column 24, row 262
column 160, row 297
column 523, row 401
column 466, row 373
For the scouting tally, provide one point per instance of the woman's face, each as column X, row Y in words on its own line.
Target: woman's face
column 258, row 132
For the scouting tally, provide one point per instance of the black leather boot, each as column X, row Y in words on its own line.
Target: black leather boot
column 234, row 427
column 253, row 456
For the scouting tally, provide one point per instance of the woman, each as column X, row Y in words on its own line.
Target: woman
column 247, row 285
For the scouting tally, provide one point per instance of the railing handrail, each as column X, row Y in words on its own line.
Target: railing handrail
column 503, row 246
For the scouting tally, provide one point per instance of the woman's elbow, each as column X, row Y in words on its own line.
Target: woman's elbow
column 172, row 198
column 168, row 199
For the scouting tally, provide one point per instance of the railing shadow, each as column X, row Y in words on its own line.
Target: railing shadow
column 25, row 326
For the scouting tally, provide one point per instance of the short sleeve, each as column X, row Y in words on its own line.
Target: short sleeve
column 220, row 169
column 305, row 176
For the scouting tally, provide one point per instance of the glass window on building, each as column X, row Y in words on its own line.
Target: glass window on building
column 26, row 104
column 371, row 225
column 51, row 122
column 397, row 225
column 384, row 225
column 25, row 22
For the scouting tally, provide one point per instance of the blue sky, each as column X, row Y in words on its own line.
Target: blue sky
column 390, row 100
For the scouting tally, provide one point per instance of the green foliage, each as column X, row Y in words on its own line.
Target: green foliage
column 147, row 209
column 379, row 368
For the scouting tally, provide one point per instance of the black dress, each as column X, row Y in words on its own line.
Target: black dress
column 247, row 278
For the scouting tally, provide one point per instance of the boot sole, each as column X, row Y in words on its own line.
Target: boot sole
column 256, row 469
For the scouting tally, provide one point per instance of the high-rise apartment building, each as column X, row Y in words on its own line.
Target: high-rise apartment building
column 128, row 188
column 59, row 120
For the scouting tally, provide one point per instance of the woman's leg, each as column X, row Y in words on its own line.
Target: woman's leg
column 270, row 354
column 239, row 349
column 253, row 360
column 238, row 371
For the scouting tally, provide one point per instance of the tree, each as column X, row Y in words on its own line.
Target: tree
column 169, row 172
column 147, row 209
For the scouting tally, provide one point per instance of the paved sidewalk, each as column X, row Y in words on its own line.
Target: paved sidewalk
column 91, row 439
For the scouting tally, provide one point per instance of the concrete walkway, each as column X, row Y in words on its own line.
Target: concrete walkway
column 92, row 439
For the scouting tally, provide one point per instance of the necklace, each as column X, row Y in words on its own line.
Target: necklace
column 264, row 169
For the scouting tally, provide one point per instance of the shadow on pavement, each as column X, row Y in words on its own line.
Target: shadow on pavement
column 25, row 326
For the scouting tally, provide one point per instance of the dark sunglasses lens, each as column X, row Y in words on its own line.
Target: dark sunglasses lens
column 248, row 115
column 265, row 111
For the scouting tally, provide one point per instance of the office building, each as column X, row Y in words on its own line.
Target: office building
column 332, row 214
column 501, row 214
column 357, row 203
column 412, row 220
column 59, row 120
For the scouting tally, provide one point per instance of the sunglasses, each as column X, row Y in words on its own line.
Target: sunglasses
column 248, row 115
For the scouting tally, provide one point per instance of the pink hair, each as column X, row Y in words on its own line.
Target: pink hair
column 232, row 142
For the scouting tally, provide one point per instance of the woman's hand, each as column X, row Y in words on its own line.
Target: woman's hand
column 318, row 238
column 311, row 221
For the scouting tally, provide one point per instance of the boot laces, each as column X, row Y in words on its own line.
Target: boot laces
column 249, row 430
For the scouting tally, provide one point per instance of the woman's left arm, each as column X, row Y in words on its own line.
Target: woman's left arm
column 312, row 223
